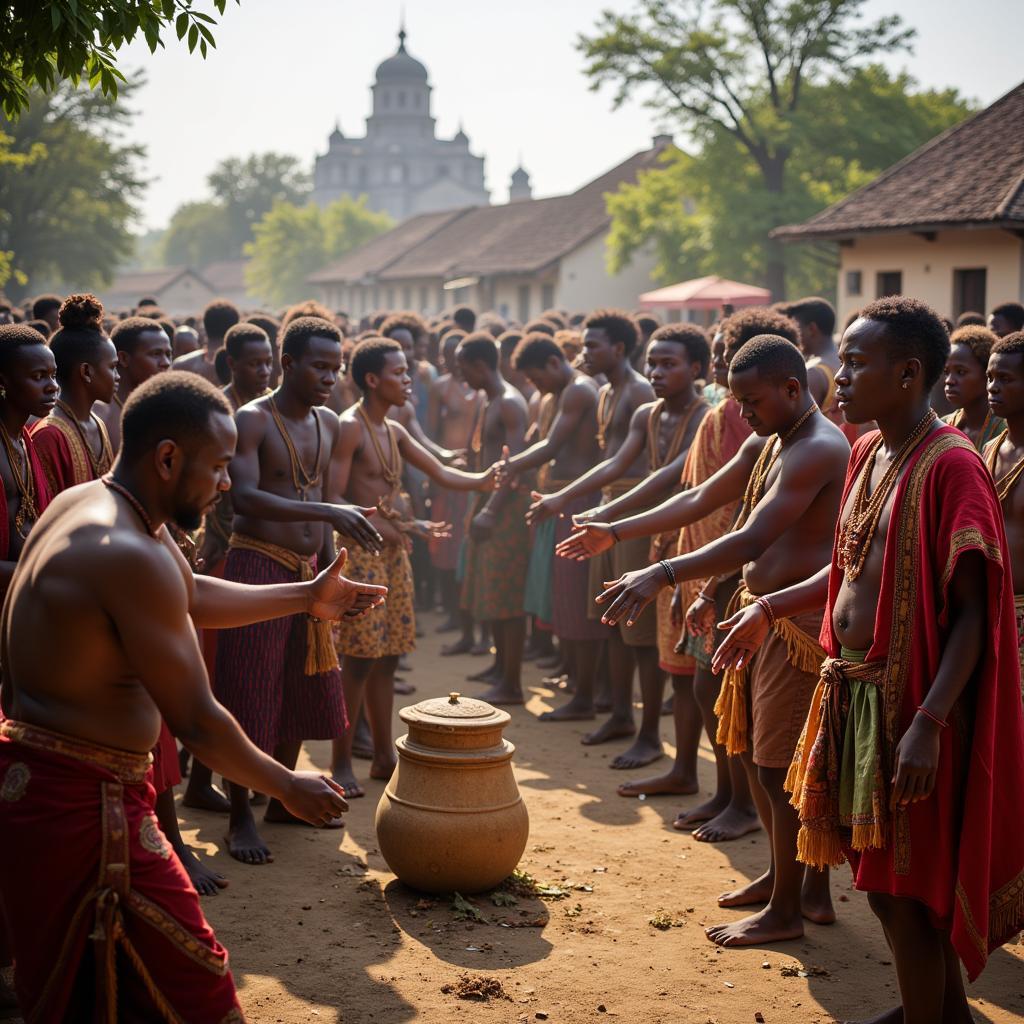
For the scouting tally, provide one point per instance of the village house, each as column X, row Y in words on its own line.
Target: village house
column 945, row 224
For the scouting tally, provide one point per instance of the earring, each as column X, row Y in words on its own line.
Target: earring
column 3, row 391
column 906, row 384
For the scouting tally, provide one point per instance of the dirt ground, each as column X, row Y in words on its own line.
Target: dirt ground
column 326, row 932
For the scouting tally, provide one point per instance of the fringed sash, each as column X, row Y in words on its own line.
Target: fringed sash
column 803, row 652
column 320, row 653
column 836, row 778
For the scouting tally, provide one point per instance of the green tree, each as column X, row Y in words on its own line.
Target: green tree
column 711, row 213
column 738, row 70
column 42, row 44
column 291, row 242
column 198, row 234
column 68, row 200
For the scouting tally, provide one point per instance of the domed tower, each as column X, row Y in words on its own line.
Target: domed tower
column 401, row 97
column 519, row 187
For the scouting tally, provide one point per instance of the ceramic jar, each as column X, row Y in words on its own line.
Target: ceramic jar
column 451, row 818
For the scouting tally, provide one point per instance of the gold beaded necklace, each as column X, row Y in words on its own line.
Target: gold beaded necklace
column 759, row 476
column 302, row 478
column 675, row 444
column 858, row 531
column 25, row 482
column 102, row 462
column 1005, row 483
column 391, row 469
column 604, row 418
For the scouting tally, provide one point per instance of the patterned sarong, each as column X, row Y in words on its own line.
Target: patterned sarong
column 495, row 579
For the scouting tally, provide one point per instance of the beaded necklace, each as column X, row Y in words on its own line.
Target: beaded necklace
column 235, row 399
column 302, row 479
column 1006, row 483
column 676, row 443
column 391, row 469
column 28, row 511
column 137, row 505
column 100, row 463
column 604, row 418
column 956, row 420
column 759, row 475
column 858, row 531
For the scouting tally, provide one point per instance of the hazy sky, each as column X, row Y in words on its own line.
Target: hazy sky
column 285, row 70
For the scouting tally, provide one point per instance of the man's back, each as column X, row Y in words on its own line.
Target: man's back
column 65, row 663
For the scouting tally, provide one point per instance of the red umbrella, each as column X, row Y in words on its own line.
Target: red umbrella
column 705, row 293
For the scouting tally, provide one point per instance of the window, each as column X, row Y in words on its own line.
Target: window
column 406, row 297
column 888, row 282
column 524, row 302
column 389, row 298
column 424, row 300
column 547, row 296
column 853, row 282
column 969, row 291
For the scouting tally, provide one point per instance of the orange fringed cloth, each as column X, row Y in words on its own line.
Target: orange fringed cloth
column 100, row 912
column 961, row 851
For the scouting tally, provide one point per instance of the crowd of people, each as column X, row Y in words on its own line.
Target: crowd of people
column 231, row 520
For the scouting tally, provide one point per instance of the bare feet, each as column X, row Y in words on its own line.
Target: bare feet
column 578, row 709
column 461, row 646
column 277, row 814
column 816, row 900
column 756, row 930
column 245, row 844
column 685, row 820
column 757, row 891
column 205, row 797
column 491, row 674
column 611, row 729
column 362, row 742
column 383, row 770
column 347, row 781
column 732, row 823
column 206, row 880
column 672, row 783
column 643, row 751
column 503, row 693
column 479, row 650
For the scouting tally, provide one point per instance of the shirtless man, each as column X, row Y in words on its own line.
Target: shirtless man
column 492, row 590
column 1004, row 456
column 928, row 719
column 451, row 412
column 791, row 486
column 964, row 385
column 817, row 321
column 677, row 357
column 218, row 317
column 250, row 359
column 567, row 449
column 142, row 351
column 186, row 340
column 609, row 338
column 102, row 574
column 366, row 470
column 281, row 679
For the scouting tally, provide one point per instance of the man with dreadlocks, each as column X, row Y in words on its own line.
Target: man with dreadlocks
column 366, row 470
column 789, row 476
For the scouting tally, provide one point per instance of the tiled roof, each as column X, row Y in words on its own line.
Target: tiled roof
column 520, row 237
column 142, row 282
column 225, row 275
column 970, row 175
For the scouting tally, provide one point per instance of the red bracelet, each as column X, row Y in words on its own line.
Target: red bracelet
column 765, row 605
column 935, row 718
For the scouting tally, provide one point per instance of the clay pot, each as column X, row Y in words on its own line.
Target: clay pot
column 451, row 818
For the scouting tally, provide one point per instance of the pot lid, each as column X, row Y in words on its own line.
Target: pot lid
column 453, row 710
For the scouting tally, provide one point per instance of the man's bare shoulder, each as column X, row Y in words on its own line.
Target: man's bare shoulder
column 190, row 360
column 328, row 419
column 581, row 389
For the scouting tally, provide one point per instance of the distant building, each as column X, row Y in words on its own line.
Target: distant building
column 517, row 259
column 400, row 164
column 179, row 291
column 945, row 224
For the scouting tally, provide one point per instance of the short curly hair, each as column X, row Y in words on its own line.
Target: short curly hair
column 410, row 322
column 775, row 358
column 479, row 347
column 219, row 316
column 620, row 327
column 1012, row 313
column 241, row 335
column 1010, row 345
column 691, row 337
column 977, row 338
column 296, row 336
column 738, row 328
column 913, row 330
column 369, row 356
column 534, row 351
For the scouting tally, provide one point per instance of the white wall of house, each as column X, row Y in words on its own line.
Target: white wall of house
column 584, row 282
column 928, row 267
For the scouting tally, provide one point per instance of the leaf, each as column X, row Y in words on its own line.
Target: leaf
column 193, row 38
column 181, row 24
column 501, row 898
column 466, row 911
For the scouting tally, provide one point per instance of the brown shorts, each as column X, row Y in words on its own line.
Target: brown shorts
column 780, row 696
column 628, row 556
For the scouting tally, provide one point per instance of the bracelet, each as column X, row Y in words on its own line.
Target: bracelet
column 615, row 533
column 765, row 605
column 669, row 571
column 935, row 718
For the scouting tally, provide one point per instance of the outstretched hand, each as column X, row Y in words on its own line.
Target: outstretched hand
column 544, row 506
column 332, row 596
column 589, row 540
column 353, row 521
column 428, row 529
column 630, row 594
column 700, row 616
column 314, row 798
column 747, row 630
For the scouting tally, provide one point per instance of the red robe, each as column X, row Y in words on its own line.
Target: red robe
column 104, row 922
column 961, row 851
column 65, row 462
column 43, row 495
